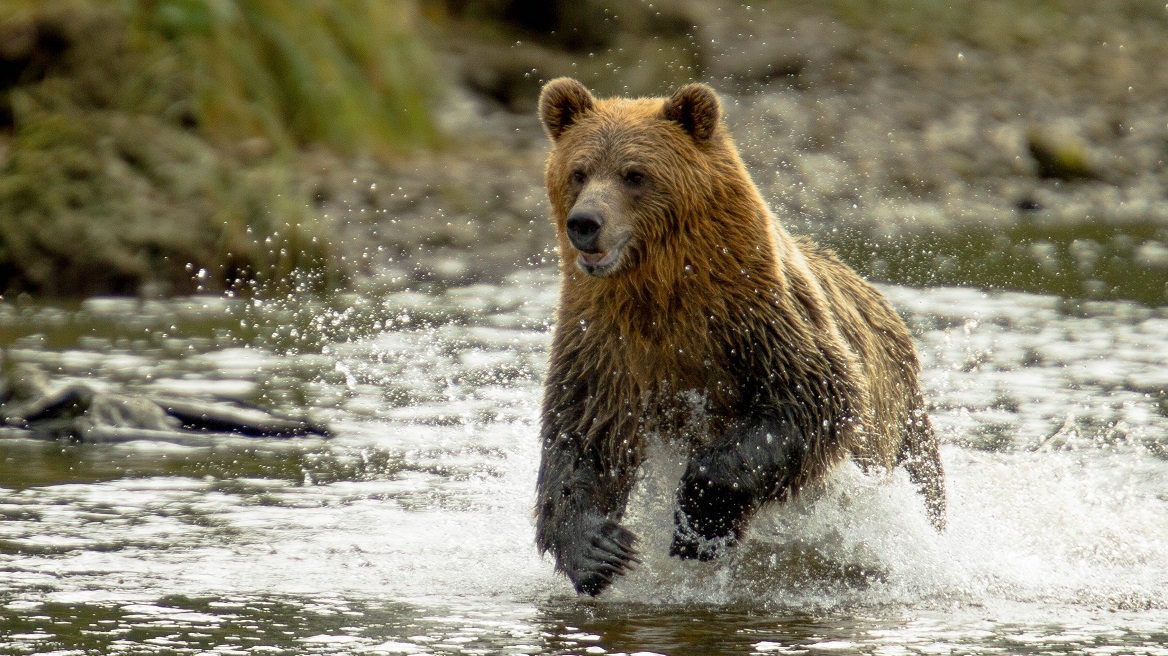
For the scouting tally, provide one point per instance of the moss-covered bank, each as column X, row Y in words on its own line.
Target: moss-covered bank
column 151, row 146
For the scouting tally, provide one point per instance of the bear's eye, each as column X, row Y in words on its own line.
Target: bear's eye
column 635, row 177
column 579, row 176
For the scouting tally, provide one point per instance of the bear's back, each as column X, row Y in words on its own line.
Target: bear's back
column 881, row 341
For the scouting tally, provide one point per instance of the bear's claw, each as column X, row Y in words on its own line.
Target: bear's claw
column 604, row 555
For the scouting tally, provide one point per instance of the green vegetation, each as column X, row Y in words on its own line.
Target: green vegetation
column 346, row 73
column 150, row 145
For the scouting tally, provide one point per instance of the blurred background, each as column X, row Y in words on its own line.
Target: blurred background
column 160, row 147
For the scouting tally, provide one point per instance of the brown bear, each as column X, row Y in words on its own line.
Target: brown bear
column 687, row 311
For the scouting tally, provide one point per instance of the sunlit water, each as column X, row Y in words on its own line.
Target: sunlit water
column 411, row 530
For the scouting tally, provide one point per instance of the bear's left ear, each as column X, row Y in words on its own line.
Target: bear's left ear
column 695, row 106
column 561, row 103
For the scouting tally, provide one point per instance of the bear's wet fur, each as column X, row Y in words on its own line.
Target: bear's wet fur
column 687, row 310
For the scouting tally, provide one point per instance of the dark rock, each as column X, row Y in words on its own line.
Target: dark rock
column 1028, row 204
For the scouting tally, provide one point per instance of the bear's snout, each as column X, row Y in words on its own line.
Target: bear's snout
column 584, row 230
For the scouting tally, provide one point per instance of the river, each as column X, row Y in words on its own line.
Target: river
column 410, row 531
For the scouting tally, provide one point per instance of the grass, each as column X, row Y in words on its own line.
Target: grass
column 345, row 73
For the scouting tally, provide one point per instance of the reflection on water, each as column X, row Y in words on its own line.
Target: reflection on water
column 411, row 531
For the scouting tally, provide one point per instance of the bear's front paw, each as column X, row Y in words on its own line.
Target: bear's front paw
column 601, row 552
column 688, row 544
column 708, row 519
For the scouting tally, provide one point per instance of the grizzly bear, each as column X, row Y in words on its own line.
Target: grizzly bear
column 686, row 311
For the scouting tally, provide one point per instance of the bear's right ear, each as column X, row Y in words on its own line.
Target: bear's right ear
column 561, row 103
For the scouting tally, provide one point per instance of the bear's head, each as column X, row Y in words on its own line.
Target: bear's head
column 633, row 181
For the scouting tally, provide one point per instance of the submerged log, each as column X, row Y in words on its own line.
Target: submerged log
column 253, row 421
column 31, row 407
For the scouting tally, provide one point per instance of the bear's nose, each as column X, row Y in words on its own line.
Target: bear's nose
column 584, row 230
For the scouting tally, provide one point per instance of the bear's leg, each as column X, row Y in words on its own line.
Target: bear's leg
column 578, row 508
column 726, row 482
column 920, row 454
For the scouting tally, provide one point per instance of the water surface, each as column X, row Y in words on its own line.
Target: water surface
column 411, row 530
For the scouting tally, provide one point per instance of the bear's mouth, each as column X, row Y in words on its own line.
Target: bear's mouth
column 602, row 263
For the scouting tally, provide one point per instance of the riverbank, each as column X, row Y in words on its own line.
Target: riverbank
column 981, row 143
